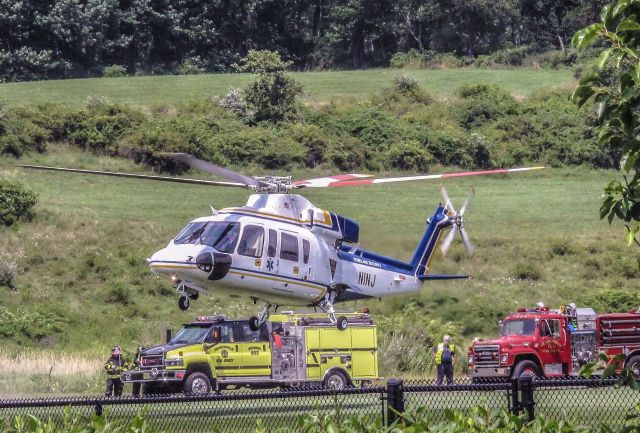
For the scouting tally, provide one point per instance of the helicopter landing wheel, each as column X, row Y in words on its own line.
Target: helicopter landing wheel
column 183, row 302
column 194, row 296
column 254, row 323
column 342, row 323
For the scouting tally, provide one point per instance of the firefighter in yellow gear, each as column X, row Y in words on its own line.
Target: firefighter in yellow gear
column 445, row 360
column 114, row 366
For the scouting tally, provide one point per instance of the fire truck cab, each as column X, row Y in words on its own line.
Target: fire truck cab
column 555, row 343
column 289, row 350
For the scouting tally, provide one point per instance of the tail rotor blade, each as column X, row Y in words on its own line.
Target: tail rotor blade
column 467, row 241
column 447, row 200
column 444, row 247
column 467, row 201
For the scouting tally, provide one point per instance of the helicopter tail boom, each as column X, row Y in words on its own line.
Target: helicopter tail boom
column 427, row 246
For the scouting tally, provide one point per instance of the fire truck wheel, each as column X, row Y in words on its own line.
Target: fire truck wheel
column 336, row 379
column 526, row 367
column 183, row 302
column 254, row 324
column 197, row 383
column 342, row 323
column 633, row 364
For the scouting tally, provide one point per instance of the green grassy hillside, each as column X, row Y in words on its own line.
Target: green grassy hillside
column 318, row 86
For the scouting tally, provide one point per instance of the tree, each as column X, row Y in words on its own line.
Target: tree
column 272, row 94
column 615, row 89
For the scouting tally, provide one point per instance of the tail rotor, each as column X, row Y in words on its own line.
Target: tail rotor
column 458, row 222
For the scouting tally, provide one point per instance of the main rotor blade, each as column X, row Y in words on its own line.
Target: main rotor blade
column 136, row 176
column 323, row 182
column 467, row 201
column 194, row 162
column 444, row 247
column 467, row 241
column 357, row 182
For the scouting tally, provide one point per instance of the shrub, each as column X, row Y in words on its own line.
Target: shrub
column 102, row 123
column 315, row 142
column 527, row 271
column 16, row 202
column 483, row 103
column 613, row 300
column 409, row 88
column 272, row 94
column 480, row 151
column 411, row 59
column 6, row 277
column 191, row 66
column 191, row 134
column 410, row 156
column 448, row 149
column 235, row 102
column 34, row 323
column 114, row 71
column 119, row 294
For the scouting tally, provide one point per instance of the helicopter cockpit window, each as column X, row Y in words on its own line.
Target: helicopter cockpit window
column 306, row 247
column 252, row 241
column 288, row 247
column 222, row 236
column 190, row 234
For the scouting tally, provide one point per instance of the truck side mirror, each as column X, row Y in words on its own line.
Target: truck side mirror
column 168, row 335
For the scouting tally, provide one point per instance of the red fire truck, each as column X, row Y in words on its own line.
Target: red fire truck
column 555, row 343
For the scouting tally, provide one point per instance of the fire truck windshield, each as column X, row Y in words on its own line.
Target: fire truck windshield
column 190, row 334
column 518, row 327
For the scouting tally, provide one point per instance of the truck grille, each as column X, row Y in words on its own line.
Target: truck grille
column 151, row 361
column 486, row 356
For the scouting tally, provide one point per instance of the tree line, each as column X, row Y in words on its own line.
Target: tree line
column 77, row 38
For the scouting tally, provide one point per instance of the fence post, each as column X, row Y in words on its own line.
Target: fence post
column 515, row 397
column 525, row 383
column 98, row 408
column 395, row 400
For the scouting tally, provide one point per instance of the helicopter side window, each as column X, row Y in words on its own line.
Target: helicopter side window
column 306, row 247
column 190, row 234
column 288, row 247
column 273, row 243
column 222, row 236
column 252, row 241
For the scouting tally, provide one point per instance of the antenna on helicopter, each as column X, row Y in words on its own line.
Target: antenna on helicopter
column 458, row 222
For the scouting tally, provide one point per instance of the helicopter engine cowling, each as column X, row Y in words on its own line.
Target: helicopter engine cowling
column 217, row 265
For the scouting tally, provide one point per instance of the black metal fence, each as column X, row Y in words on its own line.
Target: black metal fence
column 585, row 402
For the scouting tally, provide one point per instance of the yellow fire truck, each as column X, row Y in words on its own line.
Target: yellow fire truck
column 289, row 350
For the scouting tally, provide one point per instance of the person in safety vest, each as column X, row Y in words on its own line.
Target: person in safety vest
column 445, row 360
column 132, row 364
column 114, row 367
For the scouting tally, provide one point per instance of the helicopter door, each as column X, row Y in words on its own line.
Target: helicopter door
column 271, row 259
column 250, row 248
column 306, row 260
column 289, row 259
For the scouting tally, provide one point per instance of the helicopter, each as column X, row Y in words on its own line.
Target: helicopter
column 280, row 249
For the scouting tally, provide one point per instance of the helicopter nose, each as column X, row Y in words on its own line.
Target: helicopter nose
column 216, row 264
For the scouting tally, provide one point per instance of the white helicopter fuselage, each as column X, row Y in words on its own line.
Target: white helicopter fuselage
column 282, row 249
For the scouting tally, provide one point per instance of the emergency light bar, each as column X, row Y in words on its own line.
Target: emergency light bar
column 217, row 318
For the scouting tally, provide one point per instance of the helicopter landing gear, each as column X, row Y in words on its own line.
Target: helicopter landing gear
column 263, row 316
column 326, row 305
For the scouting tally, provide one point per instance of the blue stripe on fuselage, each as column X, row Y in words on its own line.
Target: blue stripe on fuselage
column 235, row 268
column 368, row 258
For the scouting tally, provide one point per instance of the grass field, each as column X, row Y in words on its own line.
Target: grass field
column 318, row 86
